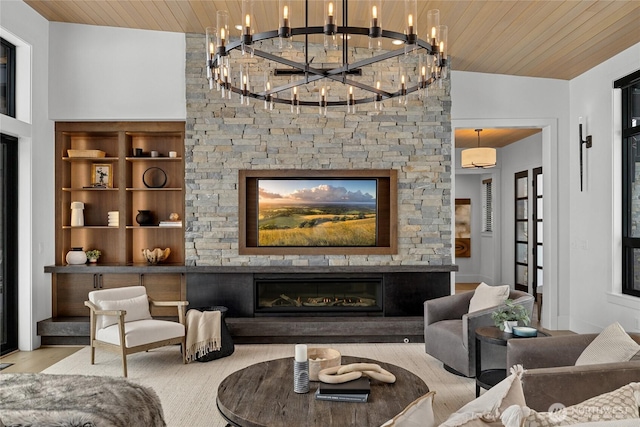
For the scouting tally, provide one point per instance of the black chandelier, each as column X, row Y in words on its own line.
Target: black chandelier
column 429, row 59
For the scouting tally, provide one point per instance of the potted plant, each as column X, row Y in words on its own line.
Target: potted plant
column 93, row 255
column 509, row 315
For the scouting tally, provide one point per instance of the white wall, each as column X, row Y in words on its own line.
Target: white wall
column 106, row 73
column 29, row 31
column 595, row 226
column 489, row 100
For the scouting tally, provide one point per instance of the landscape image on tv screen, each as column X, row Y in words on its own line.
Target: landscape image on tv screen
column 317, row 212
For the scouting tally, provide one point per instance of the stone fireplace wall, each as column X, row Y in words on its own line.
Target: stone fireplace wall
column 223, row 136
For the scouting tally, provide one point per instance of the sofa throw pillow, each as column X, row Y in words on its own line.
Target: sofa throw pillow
column 611, row 345
column 137, row 309
column 487, row 409
column 486, row 296
column 618, row 405
column 418, row 413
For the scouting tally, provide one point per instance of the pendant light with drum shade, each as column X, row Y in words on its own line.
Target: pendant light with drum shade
column 478, row 157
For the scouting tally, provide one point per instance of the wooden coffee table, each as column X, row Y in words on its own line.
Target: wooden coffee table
column 262, row 395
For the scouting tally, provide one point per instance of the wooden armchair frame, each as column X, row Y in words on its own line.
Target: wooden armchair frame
column 122, row 348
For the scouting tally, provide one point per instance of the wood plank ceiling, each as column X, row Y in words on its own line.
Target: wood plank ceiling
column 558, row 39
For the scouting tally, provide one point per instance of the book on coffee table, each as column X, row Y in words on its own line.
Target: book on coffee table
column 343, row 397
column 361, row 385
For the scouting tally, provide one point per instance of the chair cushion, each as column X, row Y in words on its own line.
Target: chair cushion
column 418, row 413
column 133, row 299
column 486, row 296
column 612, row 345
column 621, row 404
column 137, row 308
column 487, row 409
column 142, row 332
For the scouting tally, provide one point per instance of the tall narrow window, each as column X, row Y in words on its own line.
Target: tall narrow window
column 630, row 87
column 487, row 206
column 522, row 231
column 8, row 244
column 7, row 78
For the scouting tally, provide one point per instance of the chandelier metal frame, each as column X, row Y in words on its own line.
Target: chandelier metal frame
column 340, row 73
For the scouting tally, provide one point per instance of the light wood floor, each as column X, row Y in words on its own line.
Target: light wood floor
column 40, row 359
column 37, row 360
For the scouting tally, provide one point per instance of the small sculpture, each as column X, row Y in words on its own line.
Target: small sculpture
column 154, row 256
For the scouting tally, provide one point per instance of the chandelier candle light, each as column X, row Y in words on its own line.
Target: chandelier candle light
column 427, row 58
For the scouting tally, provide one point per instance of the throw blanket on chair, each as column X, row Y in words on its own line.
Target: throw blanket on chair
column 203, row 333
column 77, row 401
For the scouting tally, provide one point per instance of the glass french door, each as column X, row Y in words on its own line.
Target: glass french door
column 8, row 244
column 522, row 231
column 537, row 237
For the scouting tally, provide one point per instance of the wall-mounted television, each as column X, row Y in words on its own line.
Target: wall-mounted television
column 318, row 212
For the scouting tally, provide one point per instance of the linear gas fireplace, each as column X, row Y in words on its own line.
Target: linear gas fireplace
column 319, row 294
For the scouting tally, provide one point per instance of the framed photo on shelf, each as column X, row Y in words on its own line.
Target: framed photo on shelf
column 101, row 175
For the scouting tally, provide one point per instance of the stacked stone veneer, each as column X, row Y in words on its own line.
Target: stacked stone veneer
column 223, row 136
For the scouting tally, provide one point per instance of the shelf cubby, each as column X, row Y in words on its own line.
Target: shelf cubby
column 127, row 192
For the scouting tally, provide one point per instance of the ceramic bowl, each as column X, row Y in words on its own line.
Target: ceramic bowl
column 524, row 331
column 322, row 358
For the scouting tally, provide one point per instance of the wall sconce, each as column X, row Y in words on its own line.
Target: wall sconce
column 589, row 142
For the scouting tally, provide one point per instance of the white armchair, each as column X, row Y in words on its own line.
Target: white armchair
column 121, row 322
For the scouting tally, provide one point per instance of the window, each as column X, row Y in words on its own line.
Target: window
column 7, row 78
column 630, row 87
column 487, row 206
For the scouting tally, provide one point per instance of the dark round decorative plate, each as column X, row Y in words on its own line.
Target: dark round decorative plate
column 154, row 177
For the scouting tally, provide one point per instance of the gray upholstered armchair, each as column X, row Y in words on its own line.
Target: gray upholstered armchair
column 551, row 375
column 449, row 332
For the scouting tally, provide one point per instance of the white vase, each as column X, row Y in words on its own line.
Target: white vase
column 509, row 324
column 77, row 214
column 76, row 256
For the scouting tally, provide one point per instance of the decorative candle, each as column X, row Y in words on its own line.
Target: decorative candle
column 330, row 14
column 222, row 37
column 301, row 353
column 374, row 16
column 247, row 25
column 410, row 21
column 285, row 16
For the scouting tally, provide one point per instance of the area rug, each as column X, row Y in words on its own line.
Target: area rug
column 188, row 392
